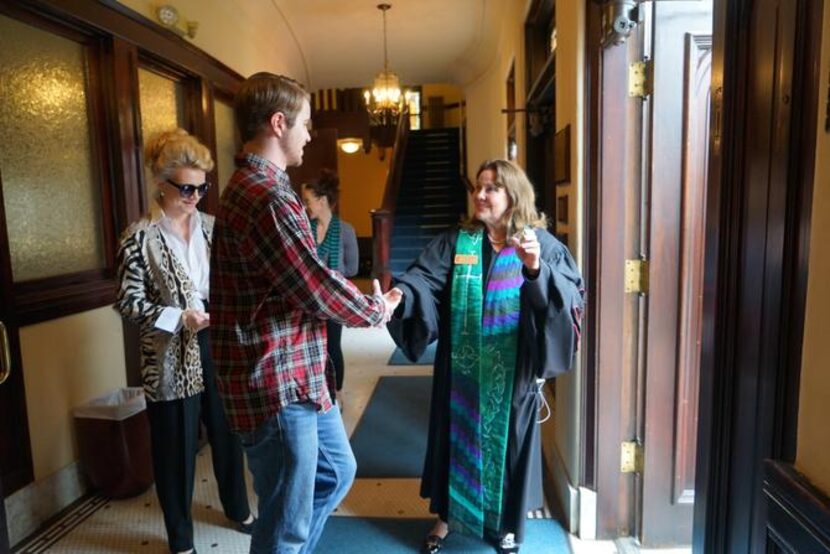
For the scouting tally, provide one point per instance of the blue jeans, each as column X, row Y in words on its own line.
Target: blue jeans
column 303, row 467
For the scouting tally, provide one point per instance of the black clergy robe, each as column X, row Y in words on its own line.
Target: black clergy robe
column 551, row 305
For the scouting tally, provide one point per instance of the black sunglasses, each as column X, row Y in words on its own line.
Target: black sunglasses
column 187, row 190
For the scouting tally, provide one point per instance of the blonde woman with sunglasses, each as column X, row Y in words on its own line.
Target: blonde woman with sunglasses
column 164, row 263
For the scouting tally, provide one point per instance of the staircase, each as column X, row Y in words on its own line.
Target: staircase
column 431, row 198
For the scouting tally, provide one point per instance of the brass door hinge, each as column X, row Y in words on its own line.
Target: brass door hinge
column 631, row 457
column 640, row 79
column 636, row 276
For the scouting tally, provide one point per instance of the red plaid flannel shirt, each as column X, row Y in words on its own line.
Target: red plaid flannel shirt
column 270, row 297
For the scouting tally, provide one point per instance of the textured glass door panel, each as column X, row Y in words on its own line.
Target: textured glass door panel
column 162, row 107
column 226, row 143
column 50, row 189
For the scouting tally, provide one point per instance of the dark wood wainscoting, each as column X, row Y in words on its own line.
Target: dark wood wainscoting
column 798, row 514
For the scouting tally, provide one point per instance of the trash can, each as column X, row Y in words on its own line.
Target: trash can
column 114, row 442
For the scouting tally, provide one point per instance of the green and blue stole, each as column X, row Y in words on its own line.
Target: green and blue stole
column 329, row 249
column 483, row 364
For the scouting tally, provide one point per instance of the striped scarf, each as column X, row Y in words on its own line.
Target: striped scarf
column 329, row 249
column 484, row 348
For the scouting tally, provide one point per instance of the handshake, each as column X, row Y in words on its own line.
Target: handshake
column 391, row 299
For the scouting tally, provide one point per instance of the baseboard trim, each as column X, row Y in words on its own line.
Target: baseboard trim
column 37, row 503
column 559, row 488
column 587, row 514
column 798, row 514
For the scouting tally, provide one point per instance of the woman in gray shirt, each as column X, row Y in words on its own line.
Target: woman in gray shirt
column 337, row 248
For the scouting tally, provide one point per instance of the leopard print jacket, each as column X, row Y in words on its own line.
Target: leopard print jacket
column 151, row 278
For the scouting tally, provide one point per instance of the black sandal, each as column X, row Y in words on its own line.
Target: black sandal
column 508, row 544
column 247, row 528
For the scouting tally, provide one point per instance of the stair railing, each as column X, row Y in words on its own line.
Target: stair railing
column 383, row 218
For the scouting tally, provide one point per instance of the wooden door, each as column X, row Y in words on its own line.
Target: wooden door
column 648, row 166
column 676, row 133
column 56, row 224
column 15, row 451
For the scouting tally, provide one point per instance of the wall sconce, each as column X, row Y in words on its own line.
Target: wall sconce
column 168, row 16
column 350, row 145
column 512, row 149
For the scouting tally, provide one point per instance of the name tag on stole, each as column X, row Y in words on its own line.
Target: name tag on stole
column 466, row 259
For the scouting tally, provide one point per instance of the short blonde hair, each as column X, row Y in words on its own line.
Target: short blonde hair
column 176, row 149
column 522, row 211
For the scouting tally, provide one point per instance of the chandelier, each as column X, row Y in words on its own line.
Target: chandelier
column 385, row 101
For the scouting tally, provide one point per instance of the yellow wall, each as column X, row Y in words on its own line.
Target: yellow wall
column 570, row 79
column 486, row 95
column 570, row 66
column 66, row 362
column 813, row 456
column 362, row 182
column 246, row 36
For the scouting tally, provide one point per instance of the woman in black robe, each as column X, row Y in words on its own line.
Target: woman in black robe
column 548, row 291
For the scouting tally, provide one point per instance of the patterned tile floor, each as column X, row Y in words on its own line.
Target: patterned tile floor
column 98, row 526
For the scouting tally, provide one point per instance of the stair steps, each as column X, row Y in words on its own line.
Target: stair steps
column 431, row 198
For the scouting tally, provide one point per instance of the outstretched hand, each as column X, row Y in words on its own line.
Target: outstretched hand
column 391, row 299
column 528, row 249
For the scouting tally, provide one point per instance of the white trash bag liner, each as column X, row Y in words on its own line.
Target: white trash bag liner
column 116, row 405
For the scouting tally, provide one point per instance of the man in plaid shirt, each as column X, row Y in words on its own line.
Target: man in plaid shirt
column 270, row 299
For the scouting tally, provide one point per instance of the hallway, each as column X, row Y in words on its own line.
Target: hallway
column 680, row 159
column 96, row 525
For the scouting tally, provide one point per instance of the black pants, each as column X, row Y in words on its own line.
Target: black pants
column 174, row 432
column 335, row 332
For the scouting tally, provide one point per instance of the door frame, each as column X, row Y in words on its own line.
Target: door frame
column 609, row 311
column 723, row 448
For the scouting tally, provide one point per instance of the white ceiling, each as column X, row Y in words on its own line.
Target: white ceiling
column 340, row 42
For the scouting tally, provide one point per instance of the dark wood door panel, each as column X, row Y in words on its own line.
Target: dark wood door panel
column 15, row 451
column 766, row 58
column 765, row 182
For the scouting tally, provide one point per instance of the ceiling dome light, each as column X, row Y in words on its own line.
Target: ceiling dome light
column 350, row 145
